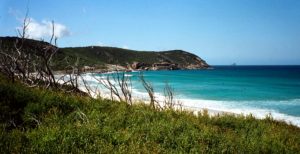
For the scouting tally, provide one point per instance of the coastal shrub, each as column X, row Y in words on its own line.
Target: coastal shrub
column 54, row 122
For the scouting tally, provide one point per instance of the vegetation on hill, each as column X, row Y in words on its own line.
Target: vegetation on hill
column 35, row 120
column 99, row 56
column 111, row 55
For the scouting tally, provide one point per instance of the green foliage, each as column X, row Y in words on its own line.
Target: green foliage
column 95, row 55
column 53, row 122
column 99, row 56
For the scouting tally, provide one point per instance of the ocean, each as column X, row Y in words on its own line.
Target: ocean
column 259, row 90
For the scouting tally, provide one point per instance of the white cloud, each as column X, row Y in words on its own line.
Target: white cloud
column 41, row 30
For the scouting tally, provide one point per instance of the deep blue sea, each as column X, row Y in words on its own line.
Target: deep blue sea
column 259, row 90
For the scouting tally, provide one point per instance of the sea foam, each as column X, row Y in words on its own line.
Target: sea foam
column 217, row 106
column 229, row 107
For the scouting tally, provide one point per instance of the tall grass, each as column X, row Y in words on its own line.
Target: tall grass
column 45, row 121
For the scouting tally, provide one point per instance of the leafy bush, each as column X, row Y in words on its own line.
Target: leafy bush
column 53, row 122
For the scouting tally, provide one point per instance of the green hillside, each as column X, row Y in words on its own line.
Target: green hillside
column 120, row 56
column 99, row 56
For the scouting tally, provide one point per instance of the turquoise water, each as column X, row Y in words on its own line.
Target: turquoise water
column 256, row 90
column 262, row 88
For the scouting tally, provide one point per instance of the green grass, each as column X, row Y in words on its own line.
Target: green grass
column 49, row 121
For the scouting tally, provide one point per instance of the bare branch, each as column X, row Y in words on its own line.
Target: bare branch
column 149, row 88
column 52, row 32
column 169, row 96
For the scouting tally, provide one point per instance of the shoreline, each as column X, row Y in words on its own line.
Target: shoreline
column 195, row 105
column 140, row 97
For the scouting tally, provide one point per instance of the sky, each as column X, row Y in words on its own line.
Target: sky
column 222, row 32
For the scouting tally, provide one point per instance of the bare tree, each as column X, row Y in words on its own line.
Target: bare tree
column 119, row 86
column 107, row 83
column 26, row 21
column 124, row 82
column 30, row 65
column 169, row 96
column 73, row 78
column 170, row 102
column 149, row 88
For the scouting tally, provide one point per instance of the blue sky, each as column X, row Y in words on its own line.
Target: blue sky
column 220, row 31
